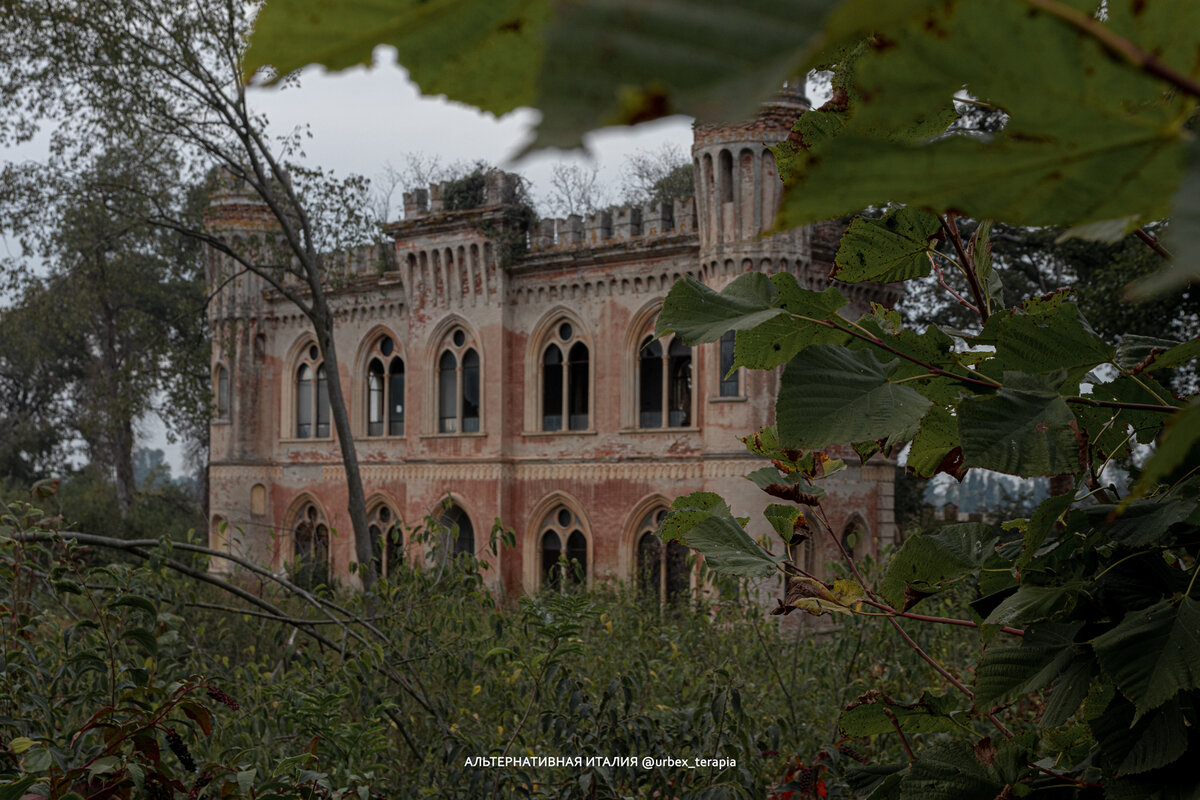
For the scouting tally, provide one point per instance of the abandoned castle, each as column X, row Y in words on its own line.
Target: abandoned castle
column 532, row 392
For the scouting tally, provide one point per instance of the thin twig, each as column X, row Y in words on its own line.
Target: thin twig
column 1152, row 242
column 968, row 266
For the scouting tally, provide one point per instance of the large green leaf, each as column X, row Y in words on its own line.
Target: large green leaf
column 1175, row 451
column 484, row 52
column 873, row 714
column 703, row 522
column 1089, row 137
column 950, row 771
column 1012, row 667
column 1131, row 745
column 698, row 314
column 1153, row 654
column 1032, row 604
column 1042, row 335
column 933, row 447
column 779, row 338
column 894, row 248
column 1182, row 237
column 927, row 563
column 1024, row 429
column 832, row 395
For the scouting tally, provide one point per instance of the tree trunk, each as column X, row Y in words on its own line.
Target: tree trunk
column 122, row 456
column 357, row 505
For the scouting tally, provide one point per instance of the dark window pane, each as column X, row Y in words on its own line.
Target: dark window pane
column 678, row 578
column 470, row 391
column 680, row 385
column 551, row 549
column 577, row 556
column 552, row 389
column 650, row 385
column 464, row 541
column 729, row 382
column 448, row 393
column 649, row 556
column 222, row 392
column 577, row 387
column 396, row 398
column 304, row 400
column 322, row 403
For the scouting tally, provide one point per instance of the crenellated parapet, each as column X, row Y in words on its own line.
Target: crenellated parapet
column 498, row 189
column 631, row 224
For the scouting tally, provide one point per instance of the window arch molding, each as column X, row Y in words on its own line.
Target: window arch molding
column 541, row 337
column 676, row 376
column 297, row 355
column 531, row 549
column 440, row 342
column 367, row 351
column 383, row 517
column 297, row 510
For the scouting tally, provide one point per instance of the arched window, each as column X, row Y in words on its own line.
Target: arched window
column 222, row 392
column 664, row 384
column 458, row 384
column 312, row 397
column 662, row 572
column 561, row 533
column 730, row 383
column 460, row 533
column 565, row 383
column 385, row 390
column 387, row 540
column 310, row 549
column 854, row 537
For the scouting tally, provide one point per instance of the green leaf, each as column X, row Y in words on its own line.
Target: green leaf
column 1044, row 518
column 1032, row 604
column 483, row 52
column 1182, row 238
column 1153, row 654
column 143, row 637
column 1042, row 335
column 928, row 563
column 1089, row 137
column 620, row 62
column 894, row 248
column 20, row 745
column 103, row 765
column 16, row 789
column 727, row 548
column 777, row 340
column 782, row 519
column 698, row 314
column 1015, row 666
column 245, row 779
column 37, row 759
column 1068, row 692
column 949, row 771
column 134, row 601
column 832, row 395
column 1175, row 450
column 1024, row 429
column 935, row 444
column 1137, row 350
column 869, row 715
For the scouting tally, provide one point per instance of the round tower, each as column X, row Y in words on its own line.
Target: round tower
column 738, row 192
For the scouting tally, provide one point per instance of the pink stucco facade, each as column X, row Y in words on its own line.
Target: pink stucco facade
column 605, row 278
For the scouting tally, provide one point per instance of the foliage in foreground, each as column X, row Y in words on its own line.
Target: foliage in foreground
column 138, row 680
column 1085, row 677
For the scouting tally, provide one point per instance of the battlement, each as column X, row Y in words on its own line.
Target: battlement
column 498, row 188
column 632, row 223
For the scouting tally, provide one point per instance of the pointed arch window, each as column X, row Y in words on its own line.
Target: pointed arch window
column 310, row 549
column 312, row 397
column 459, row 384
column 563, row 548
column 664, row 383
column 385, row 390
column 387, row 540
column 223, row 404
column 459, row 532
column 566, row 385
column 662, row 572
